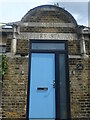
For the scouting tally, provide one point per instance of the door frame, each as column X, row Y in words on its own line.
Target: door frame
column 56, row 52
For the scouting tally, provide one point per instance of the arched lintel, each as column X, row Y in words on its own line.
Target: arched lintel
column 49, row 8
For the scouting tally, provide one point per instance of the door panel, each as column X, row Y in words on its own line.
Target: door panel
column 42, row 92
column 61, row 88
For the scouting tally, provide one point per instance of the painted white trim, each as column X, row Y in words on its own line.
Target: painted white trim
column 74, row 56
column 78, row 56
column 2, row 43
column 50, row 36
column 19, row 56
column 14, row 41
column 39, row 24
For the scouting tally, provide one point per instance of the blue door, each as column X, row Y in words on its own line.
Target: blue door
column 42, row 89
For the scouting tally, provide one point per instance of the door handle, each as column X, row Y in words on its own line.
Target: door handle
column 53, row 83
column 42, row 88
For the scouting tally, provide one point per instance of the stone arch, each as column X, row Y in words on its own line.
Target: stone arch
column 49, row 13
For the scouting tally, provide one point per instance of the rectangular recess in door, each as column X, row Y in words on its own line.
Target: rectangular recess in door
column 42, row 92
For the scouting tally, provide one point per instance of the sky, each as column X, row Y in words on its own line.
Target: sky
column 14, row 10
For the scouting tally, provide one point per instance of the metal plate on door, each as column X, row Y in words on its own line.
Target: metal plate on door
column 42, row 88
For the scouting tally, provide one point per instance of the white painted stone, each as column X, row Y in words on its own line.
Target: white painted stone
column 74, row 56
column 82, row 45
column 13, row 46
column 2, row 43
column 14, row 41
column 50, row 36
column 39, row 24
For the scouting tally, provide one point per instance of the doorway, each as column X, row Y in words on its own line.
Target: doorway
column 48, row 85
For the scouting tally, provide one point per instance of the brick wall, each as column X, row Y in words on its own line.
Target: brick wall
column 22, row 47
column 50, row 14
column 79, row 91
column 74, row 47
column 48, row 30
column 8, row 45
column 8, row 42
column 15, row 88
column 15, row 84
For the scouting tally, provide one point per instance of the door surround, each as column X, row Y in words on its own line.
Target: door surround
column 56, row 51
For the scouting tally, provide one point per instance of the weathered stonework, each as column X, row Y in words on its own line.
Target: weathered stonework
column 14, row 92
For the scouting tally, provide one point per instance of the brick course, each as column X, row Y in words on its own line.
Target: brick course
column 48, row 30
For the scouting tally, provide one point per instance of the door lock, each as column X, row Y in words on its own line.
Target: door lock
column 53, row 83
